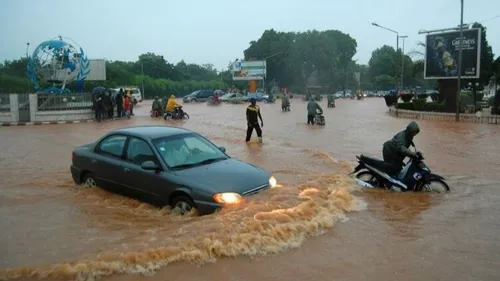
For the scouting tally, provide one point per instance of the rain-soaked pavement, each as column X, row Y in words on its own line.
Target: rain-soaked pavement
column 54, row 230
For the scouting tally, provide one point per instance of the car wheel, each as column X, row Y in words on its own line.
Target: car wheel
column 89, row 180
column 194, row 100
column 182, row 205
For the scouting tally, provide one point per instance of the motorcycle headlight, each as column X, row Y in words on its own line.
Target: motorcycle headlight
column 272, row 182
column 228, row 198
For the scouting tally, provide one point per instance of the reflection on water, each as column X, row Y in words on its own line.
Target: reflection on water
column 70, row 232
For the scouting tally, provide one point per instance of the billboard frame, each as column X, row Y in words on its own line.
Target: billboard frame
column 478, row 63
column 250, row 78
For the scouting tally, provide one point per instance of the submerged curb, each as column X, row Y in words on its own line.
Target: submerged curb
column 43, row 123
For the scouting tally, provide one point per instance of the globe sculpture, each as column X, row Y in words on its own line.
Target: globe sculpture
column 55, row 63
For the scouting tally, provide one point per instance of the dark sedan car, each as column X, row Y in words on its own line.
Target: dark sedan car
column 167, row 166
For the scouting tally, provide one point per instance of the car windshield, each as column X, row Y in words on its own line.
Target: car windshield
column 135, row 91
column 187, row 150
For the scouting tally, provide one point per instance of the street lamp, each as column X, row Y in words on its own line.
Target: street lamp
column 403, row 61
column 391, row 30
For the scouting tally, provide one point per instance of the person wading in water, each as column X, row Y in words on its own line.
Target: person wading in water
column 253, row 114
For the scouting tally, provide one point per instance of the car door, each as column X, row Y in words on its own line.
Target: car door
column 147, row 184
column 107, row 160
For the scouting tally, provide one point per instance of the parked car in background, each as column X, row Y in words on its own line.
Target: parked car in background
column 167, row 166
column 198, row 96
column 257, row 96
column 233, row 97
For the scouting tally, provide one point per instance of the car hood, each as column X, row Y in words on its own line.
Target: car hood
column 229, row 175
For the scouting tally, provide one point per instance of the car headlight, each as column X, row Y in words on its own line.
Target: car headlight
column 272, row 182
column 228, row 198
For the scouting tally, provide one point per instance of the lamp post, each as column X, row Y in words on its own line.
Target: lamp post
column 265, row 59
column 403, row 61
column 391, row 30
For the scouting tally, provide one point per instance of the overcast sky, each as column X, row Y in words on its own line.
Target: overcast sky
column 217, row 31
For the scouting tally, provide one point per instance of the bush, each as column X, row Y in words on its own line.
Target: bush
column 491, row 101
column 434, row 96
column 407, row 97
column 391, row 100
column 419, row 104
column 422, row 96
column 479, row 97
column 434, row 107
column 405, row 106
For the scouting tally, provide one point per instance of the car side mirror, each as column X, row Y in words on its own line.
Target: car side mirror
column 149, row 165
column 223, row 149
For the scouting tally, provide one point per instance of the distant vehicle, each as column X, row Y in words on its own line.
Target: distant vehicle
column 198, row 96
column 167, row 166
column 231, row 97
column 256, row 96
column 134, row 91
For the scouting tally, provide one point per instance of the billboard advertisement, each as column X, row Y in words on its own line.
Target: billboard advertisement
column 249, row 70
column 97, row 70
column 441, row 54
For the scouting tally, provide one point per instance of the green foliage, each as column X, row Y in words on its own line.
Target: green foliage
column 419, row 104
column 435, row 107
column 160, row 77
column 293, row 58
column 423, row 96
column 405, row 106
column 407, row 97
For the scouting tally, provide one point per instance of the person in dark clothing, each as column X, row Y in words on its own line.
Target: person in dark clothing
column 98, row 105
column 253, row 116
column 312, row 109
column 119, row 103
column 110, row 106
column 395, row 150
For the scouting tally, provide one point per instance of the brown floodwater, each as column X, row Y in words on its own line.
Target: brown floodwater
column 316, row 226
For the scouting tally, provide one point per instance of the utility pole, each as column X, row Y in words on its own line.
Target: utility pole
column 403, row 62
column 142, row 74
column 460, row 46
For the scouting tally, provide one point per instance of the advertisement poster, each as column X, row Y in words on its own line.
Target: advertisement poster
column 441, row 54
column 249, row 70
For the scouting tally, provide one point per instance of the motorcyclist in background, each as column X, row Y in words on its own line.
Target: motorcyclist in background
column 156, row 107
column 312, row 109
column 396, row 149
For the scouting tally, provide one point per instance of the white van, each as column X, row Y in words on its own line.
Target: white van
column 135, row 91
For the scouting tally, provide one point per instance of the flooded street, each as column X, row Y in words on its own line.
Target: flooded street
column 317, row 226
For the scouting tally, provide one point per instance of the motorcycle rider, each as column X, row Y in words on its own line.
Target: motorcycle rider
column 312, row 109
column 172, row 104
column 156, row 107
column 396, row 149
column 285, row 102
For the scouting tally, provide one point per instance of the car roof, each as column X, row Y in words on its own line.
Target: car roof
column 152, row 132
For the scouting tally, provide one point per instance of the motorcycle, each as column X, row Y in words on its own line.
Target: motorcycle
column 155, row 113
column 213, row 101
column 178, row 114
column 331, row 103
column 319, row 119
column 415, row 175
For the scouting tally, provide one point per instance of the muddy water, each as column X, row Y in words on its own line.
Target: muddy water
column 53, row 230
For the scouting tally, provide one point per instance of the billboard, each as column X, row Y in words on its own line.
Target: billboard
column 97, row 70
column 249, row 70
column 441, row 54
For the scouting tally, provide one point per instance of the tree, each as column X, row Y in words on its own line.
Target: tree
column 496, row 69
column 294, row 57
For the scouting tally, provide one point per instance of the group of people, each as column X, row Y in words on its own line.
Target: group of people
column 166, row 107
column 104, row 105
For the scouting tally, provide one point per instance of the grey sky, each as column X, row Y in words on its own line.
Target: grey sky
column 218, row 31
